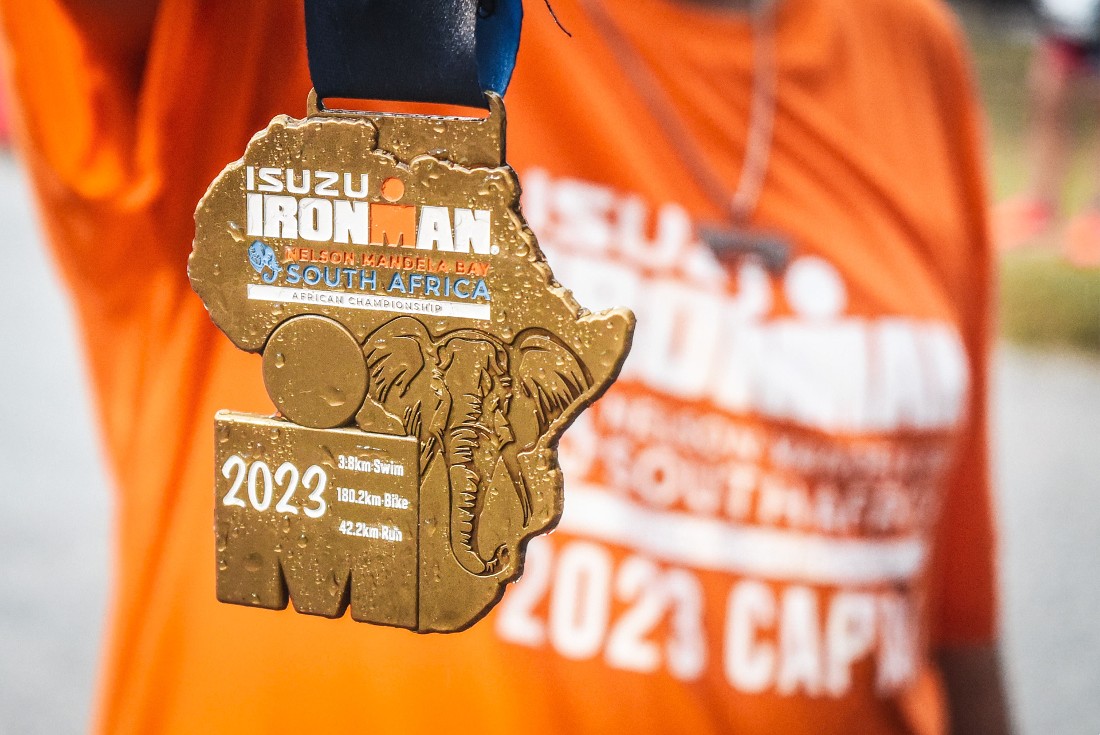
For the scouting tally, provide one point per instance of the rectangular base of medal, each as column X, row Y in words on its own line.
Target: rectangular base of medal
column 325, row 518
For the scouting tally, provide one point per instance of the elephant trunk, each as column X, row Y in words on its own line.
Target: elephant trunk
column 466, row 497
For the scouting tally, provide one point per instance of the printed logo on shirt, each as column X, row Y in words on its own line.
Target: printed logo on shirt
column 753, row 501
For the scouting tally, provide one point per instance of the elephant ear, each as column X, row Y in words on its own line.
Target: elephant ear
column 400, row 357
column 548, row 375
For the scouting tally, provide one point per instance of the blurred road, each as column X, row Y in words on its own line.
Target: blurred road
column 1047, row 445
column 53, row 492
column 56, row 513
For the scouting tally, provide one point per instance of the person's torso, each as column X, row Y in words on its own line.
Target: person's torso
column 748, row 511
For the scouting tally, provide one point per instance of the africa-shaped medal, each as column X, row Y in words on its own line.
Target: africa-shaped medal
column 422, row 358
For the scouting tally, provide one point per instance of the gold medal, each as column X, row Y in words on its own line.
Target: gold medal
column 423, row 360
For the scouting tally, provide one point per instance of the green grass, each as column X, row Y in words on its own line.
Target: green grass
column 1044, row 300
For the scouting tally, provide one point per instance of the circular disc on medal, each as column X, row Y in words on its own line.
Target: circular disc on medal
column 315, row 372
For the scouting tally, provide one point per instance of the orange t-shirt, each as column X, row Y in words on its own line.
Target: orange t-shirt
column 773, row 516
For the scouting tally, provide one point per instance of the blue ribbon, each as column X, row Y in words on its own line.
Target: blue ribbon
column 497, row 41
column 447, row 51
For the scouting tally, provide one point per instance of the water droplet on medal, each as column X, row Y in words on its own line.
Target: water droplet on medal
column 253, row 562
column 334, row 397
column 280, row 359
column 303, row 541
column 278, row 548
column 223, row 432
column 235, row 231
column 216, row 269
column 286, row 524
column 222, row 566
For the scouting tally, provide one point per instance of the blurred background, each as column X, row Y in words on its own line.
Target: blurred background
column 54, row 541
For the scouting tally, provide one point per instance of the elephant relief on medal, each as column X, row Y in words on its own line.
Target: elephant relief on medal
column 477, row 405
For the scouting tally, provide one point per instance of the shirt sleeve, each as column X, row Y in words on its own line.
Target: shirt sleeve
column 963, row 584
